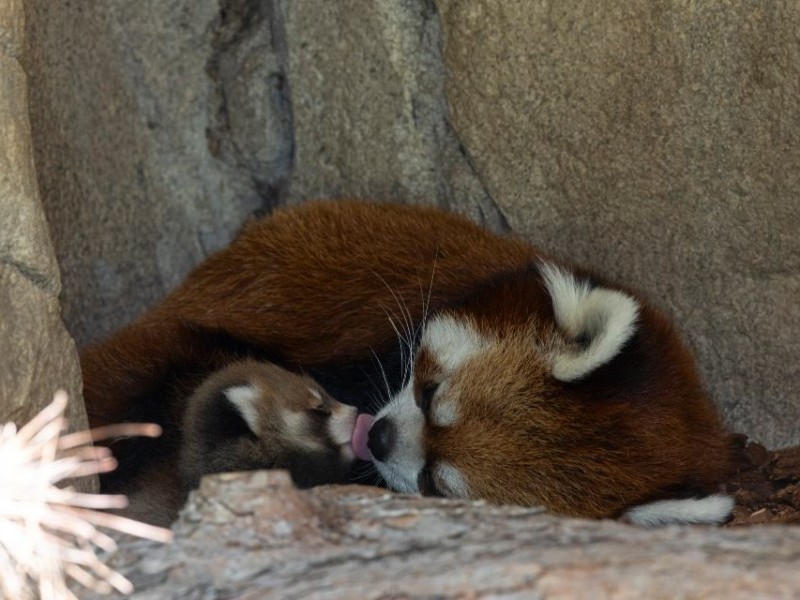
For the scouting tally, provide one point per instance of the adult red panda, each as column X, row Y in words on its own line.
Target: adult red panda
column 497, row 372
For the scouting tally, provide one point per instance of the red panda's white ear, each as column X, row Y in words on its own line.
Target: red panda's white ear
column 597, row 322
column 243, row 399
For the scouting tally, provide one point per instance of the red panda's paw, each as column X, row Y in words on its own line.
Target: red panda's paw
column 710, row 510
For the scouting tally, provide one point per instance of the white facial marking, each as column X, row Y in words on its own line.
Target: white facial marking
column 453, row 483
column 444, row 412
column 296, row 429
column 709, row 510
column 607, row 318
column 294, row 422
column 407, row 458
column 451, row 341
column 243, row 398
column 315, row 393
column 341, row 423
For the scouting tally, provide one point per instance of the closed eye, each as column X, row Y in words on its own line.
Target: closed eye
column 425, row 397
column 426, row 484
column 320, row 409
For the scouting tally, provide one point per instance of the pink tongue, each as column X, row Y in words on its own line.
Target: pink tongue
column 361, row 436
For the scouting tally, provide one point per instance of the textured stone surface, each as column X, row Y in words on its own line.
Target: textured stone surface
column 37, row 355
column 255, row 536
column 656, row 142
column 660, row 143
column 142, row 168
column 366, row 84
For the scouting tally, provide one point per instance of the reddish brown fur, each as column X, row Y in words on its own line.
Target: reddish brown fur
column 592, row 449
column 314, row 285
column 308, row 284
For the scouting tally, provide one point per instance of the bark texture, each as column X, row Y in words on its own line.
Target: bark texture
column 253, row 535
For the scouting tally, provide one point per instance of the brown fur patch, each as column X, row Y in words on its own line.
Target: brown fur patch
column 317, row 285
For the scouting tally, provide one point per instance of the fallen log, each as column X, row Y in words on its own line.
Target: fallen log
column 254, row 535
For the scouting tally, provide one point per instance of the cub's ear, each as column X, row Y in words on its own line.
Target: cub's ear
column 597, row 322
column 244, row 399
column 223, row 414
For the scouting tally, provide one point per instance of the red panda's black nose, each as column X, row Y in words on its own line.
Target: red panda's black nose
column 381, row 438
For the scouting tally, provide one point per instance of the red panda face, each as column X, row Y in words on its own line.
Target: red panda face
column 462, row 411
column 559, row 399
column 252, row 415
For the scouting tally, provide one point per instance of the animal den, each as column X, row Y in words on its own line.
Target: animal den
column 653, row 148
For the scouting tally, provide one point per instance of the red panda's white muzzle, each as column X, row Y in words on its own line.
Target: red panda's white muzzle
column 394, row 441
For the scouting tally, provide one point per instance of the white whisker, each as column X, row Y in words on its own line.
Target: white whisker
column 408, row 320
column 383, row 373
column 405, row 346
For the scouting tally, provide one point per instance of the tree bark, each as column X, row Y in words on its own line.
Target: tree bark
column 253, row 535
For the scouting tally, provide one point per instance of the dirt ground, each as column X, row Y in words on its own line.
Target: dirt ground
column 766, row 484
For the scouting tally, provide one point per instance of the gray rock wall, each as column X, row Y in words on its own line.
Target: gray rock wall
column 655, row 142
column 37, row 355
column 370, row 113
column 659, row 143
column 144, row 169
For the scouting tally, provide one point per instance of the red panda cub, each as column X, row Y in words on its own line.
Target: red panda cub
column 256, row 415
column 246, row 416
column 496, row 372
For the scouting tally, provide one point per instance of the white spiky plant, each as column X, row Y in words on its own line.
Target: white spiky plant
column 49, row 534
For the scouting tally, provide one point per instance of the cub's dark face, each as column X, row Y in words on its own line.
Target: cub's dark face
column 253, row 415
